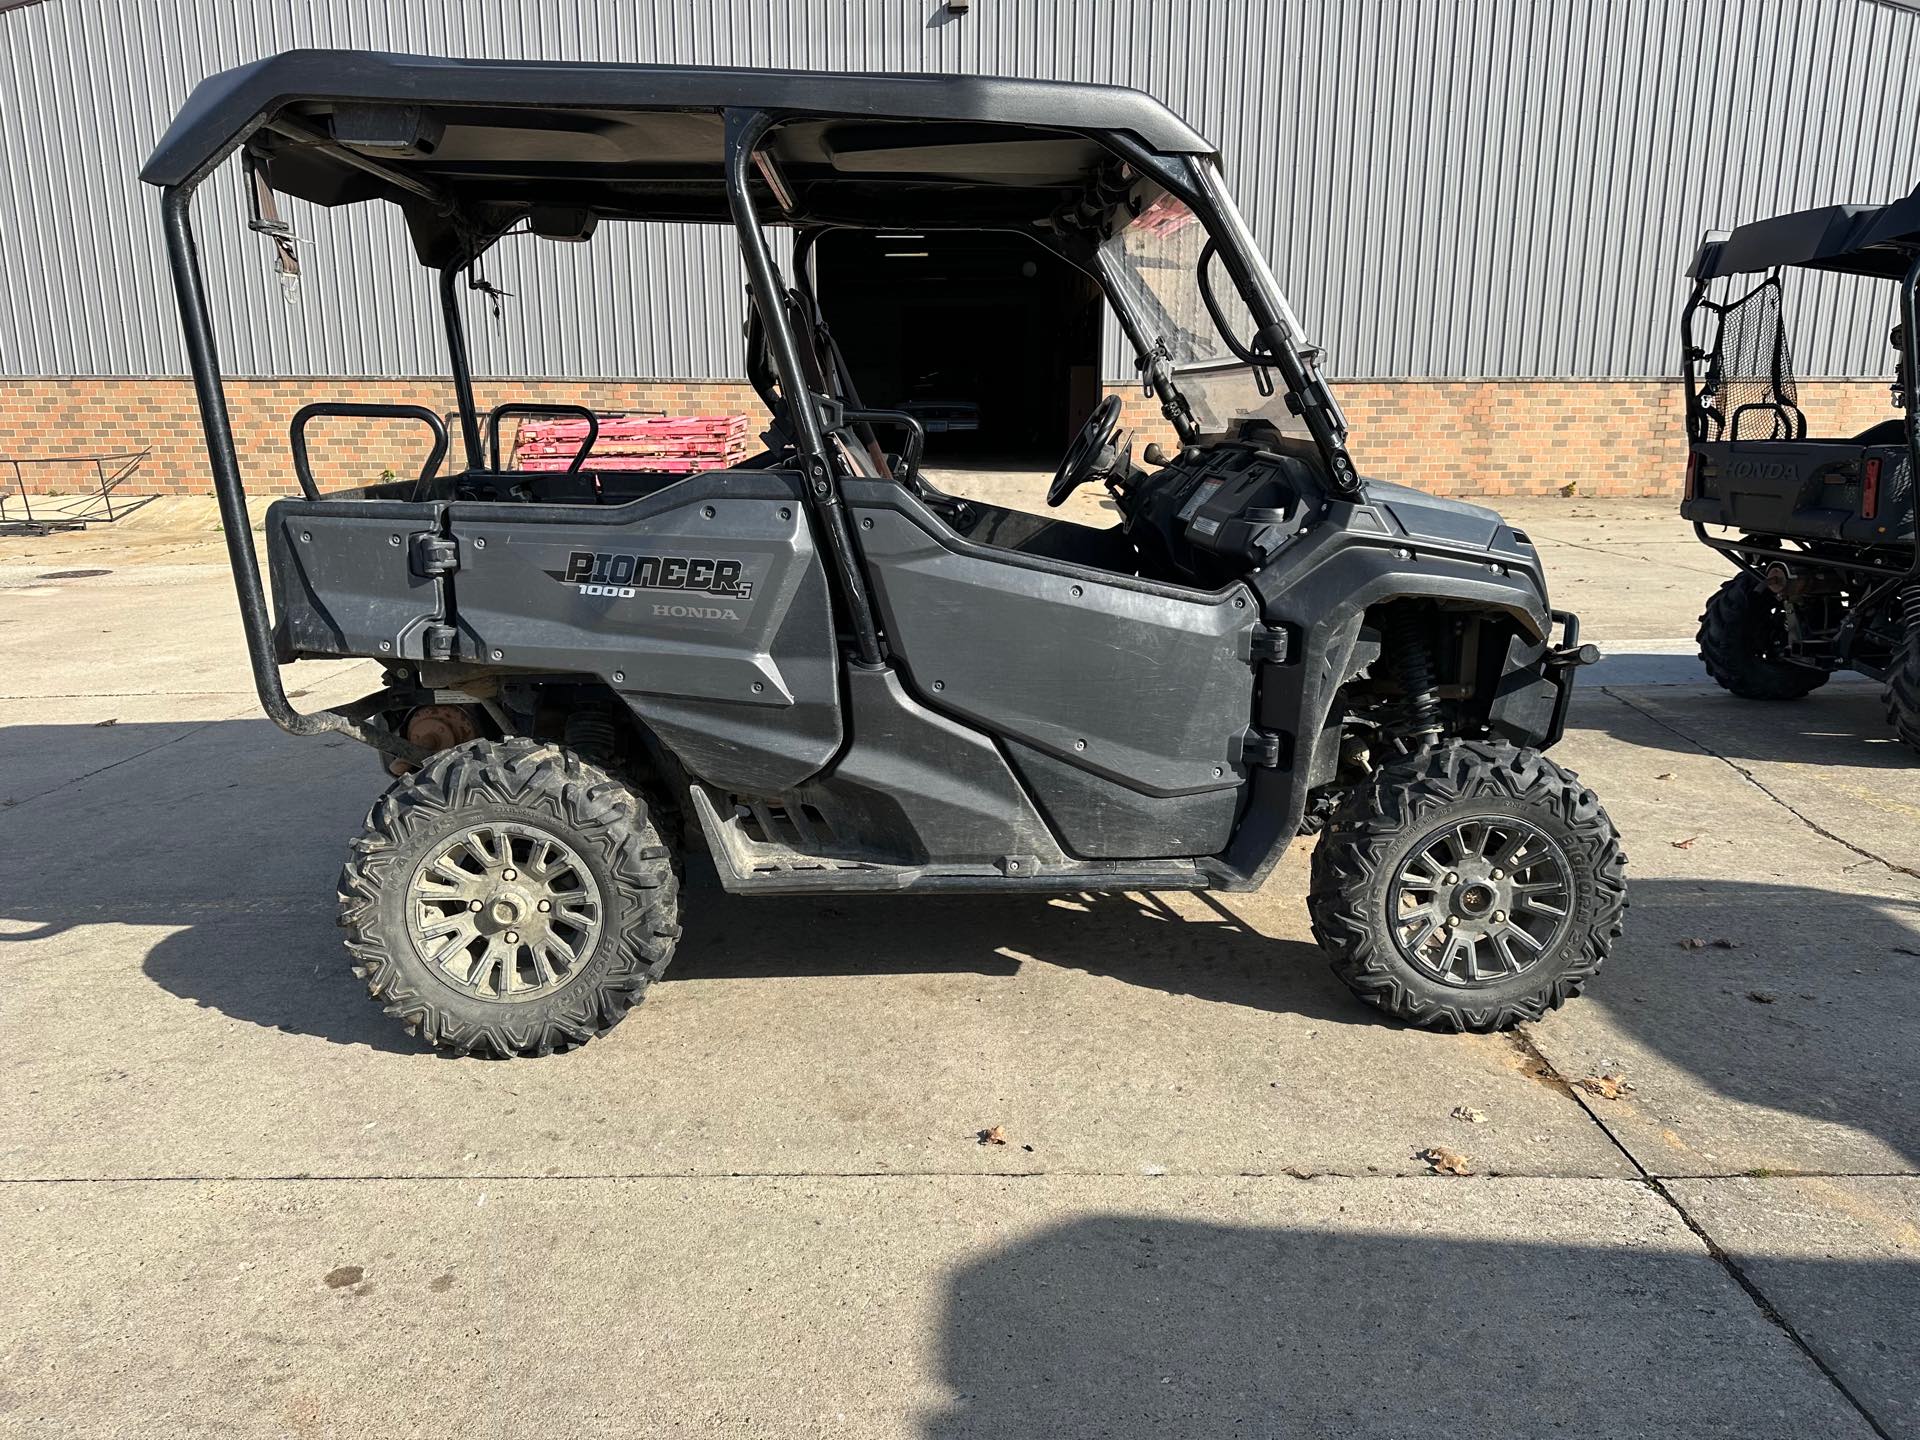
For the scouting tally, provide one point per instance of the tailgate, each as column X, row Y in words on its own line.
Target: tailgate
column 1804, row 489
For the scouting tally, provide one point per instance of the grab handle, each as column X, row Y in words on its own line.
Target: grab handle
column 297, row 434
column 500, row 412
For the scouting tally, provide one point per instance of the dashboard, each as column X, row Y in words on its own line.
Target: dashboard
column 1215, row 513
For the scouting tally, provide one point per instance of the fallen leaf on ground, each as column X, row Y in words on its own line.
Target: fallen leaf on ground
column 1444, row 1161
column 1693, row 942
column 102, row 724
column 1726, row 944
column 1607, row 1087
column 1664, row 775
column 1762, row 997
column 1686, row 844
column 1469, row 1114
column 996, row 1136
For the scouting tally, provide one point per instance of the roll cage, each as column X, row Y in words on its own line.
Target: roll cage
column 471, row 151
column 1746, row 372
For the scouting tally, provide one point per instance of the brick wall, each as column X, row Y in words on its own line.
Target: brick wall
column 41, row 417
column 1496, row 437
column 1535, row 437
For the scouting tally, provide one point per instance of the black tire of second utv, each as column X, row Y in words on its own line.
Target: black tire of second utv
column 604, row 820
column 1902, row 695
column 1733, row 637
column 1379, row 822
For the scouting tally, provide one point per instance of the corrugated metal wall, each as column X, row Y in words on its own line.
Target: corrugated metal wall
column 1448, row 187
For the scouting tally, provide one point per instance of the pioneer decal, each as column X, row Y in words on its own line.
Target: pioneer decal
column 624, row 576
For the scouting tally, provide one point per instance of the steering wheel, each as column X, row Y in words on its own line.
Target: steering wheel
column 1084, row 454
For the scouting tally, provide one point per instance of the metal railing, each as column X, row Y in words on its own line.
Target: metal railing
column 110, row 469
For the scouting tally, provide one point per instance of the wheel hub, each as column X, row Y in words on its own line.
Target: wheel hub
column 505, row 911
column 1481, row 900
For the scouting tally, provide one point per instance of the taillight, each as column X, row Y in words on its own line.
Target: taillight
column 1693, row 474
column 1870, row 490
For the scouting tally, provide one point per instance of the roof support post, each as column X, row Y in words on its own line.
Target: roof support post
column 183, row 258
column 1308, row 394
column 745, row 130
column 462, row 364
column 1689, row 355
column 1909, row 350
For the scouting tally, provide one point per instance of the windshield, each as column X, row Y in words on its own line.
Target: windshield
column 1155, row 264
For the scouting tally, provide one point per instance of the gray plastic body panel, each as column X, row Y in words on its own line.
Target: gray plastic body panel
column 342, row 580
column 737, row 677
column 915, row 786
column 1147, row 686
column 1099, row 819
column 1805, row 489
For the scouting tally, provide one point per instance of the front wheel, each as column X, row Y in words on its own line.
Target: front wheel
column 508, row 898
column 1468, row 887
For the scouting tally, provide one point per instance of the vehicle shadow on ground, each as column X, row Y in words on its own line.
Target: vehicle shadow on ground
column 1844, row 723
column 1207, row 952
column 248, row 886
column 246, row 890
column 1139, row 1325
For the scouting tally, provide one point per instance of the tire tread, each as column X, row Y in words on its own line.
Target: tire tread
column 544, row 777
column 1376, row 816
column 1729, row 643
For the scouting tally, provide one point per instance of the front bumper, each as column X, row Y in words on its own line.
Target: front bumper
column 1536, row 690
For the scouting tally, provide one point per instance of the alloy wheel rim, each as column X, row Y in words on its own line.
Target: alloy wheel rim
column 1481, row 900
column 504, row 911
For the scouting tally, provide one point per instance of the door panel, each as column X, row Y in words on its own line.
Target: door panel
column 1145, row 685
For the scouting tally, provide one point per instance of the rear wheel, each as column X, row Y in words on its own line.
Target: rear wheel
column 1902, row 695
column 1743, row 639
column 1468, row 887
column 509, row 899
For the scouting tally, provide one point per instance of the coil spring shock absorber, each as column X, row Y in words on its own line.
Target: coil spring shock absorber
column 591, row 735
column 1410, row 660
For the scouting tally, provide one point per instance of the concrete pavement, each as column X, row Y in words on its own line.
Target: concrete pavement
column 237, row 1199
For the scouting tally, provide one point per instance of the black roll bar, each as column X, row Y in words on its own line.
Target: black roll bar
column 353, row 409
column 745, row 130
column 183, row 259
column 1910, row 348
column 1689, row 353
column 461, row 363
column 1308, row 393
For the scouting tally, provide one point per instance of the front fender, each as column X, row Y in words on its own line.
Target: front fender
column 1319, row 590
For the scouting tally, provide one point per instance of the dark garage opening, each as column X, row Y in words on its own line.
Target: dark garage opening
column 992, row 340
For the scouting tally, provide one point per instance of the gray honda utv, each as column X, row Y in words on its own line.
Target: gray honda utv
column 819, row 671
column 1819, row 528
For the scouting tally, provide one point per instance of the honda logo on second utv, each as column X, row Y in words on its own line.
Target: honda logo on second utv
column 1759, row 470
column 622, row 576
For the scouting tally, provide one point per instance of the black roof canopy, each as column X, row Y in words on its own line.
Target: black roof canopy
column 485, row 142
column 1874, row 240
